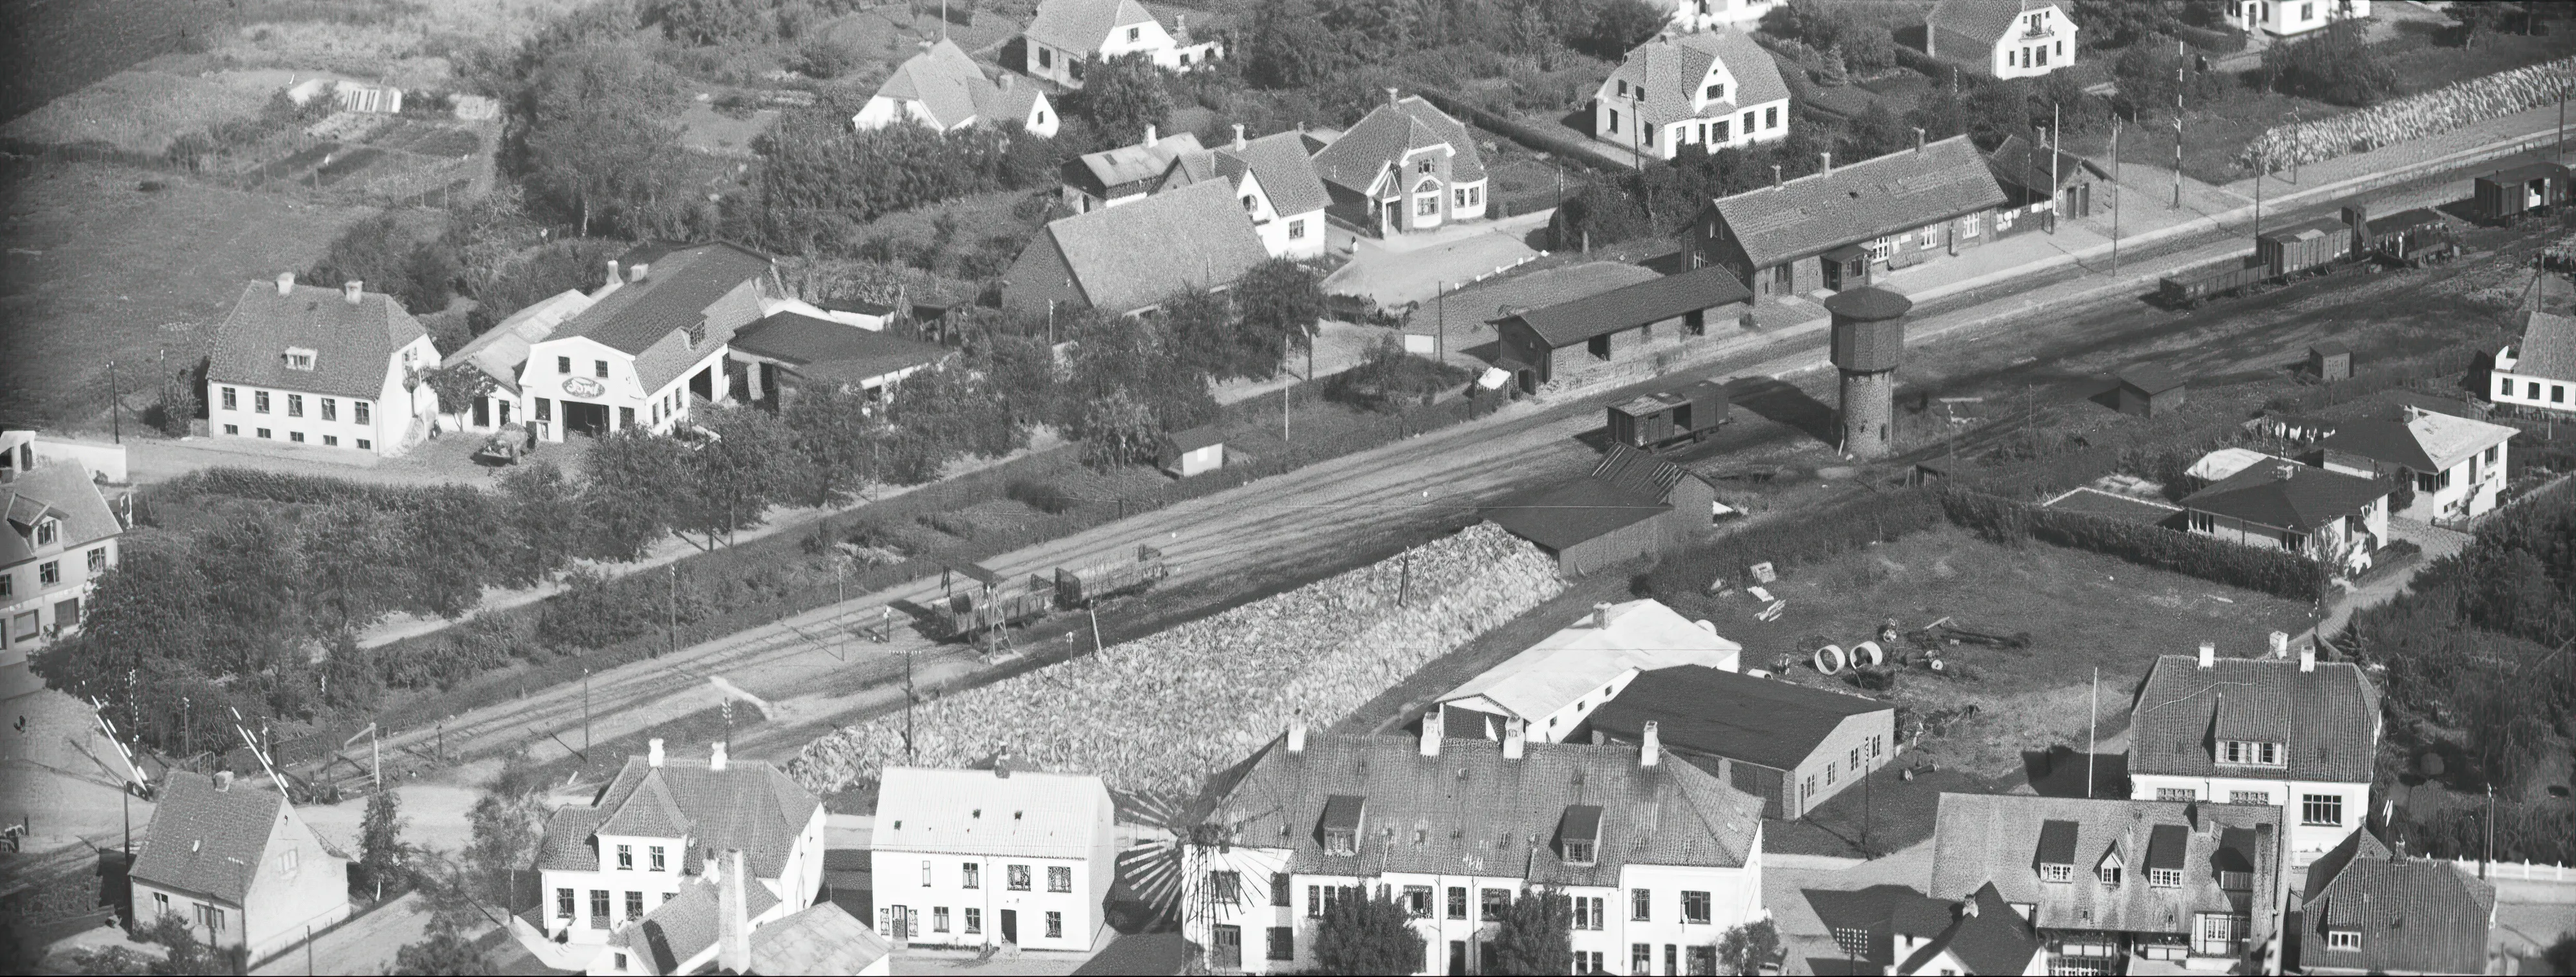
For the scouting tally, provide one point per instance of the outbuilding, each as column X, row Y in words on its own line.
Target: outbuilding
column 2150, row 391
column 1793, row 745
column 1630, row 506
column 1192, row 452
column 1622, row 318
column 2330, row 360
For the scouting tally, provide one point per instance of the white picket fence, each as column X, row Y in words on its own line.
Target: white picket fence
column 2521, row 871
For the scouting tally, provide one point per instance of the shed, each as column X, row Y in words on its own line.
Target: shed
column 1631, row 505
column 1654, row 419
column 1191, row 452
column 2330, row 360
column 1620, row 317
column 2149, row 391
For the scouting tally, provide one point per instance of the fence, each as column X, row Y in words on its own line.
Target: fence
column 2520, row 871
column 2416, row 116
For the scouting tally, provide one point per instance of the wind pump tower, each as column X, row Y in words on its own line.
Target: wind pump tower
column 1868, row 343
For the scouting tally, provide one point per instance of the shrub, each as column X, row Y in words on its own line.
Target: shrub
column 1045, row 497
column 1391, row 379
column 595, row 612
column 949, row 522
column 2334, row 65
column 2270, row 571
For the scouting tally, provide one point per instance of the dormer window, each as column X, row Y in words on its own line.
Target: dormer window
column 1716, row 92
column 299, row 358
column 1578, row 834
column 1623, row 88
column 2057, row 873
column 2056, row 857
column 1340, row 830
column 2343, row 939
column 46, row 530
column 2165, row 878
column 2248, row 752
column 2110, row 869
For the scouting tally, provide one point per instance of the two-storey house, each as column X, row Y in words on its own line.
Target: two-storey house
column 238, row 864
column 1711, row 89
column 1547, row 691
column 997, row 857
column 2001, row 38
column 2455, row 464
column 2368, row 910
column 2112, row 884
column 1130, row 259
column 657, row 837
column 943, row 88
column 1794, row 746
column 1122, row 174
column 2331, row 516
column 1845, row 227
column 2289, row 18
column 1658, row 857
column 1274, row 179
column 334, row 368
column 2296, row 735
column 1406, row 167
column 61, row 536
column 649, row 347
column 2539, row 371
column 1066, row 34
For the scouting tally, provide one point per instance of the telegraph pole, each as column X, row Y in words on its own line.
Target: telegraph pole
column 2117, row 191
column 674, row 606
column 2181, row 60
column 115, row 403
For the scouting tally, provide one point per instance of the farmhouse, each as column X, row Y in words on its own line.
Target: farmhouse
column 1657, row 857
column 2001, row 38
column 1537, row 344
column 337, row 368
column 2328, row 515
column 1406, row 167
column 2287, row 18
column 2299, row 736
column 1793, row 746
column 2368, row 910
column 1123, row 174
column 786, row 351
column 1631, row 505
column 1837, row 228
column 1129, row 259
column 238, row 864
column 62, row 536
column 1544, row 693
column 2456, row 465
column 1068, row 33
column 1713, row 88
column 1276, row 182
column 943, row 88
column 2539, row 371
column 1020, row 857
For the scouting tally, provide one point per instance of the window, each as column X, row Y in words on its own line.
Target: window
column 49, row 572
column 939, row 919
column 1623, row 88
column 1019, row 877
column 1855, row 759
column 1694, row 906
column 233, row 429
column 2177, row 793
column 1417, row 901
column 2557, row 393
column 1614, row 119
column 563, row 903
column 1423, row 167
column 1283, row 943
column 1046, row 58
column 925, row 873
column 1967, row 227
column 1641, row 905
column 1578, row 851
column 2057, row 873
column 294, row 405
column 1877, row 747
column 634, row 905
column 232, row 396
column 545, row 409
column 263, row 432
column 1641, row 958
column 655, row 853
column 599, row 909
column 1492, row 902
column 2164, row 878
column 360, row 407
column 2503, row 389
column 970, row 876
column 2109, row 874
column 599, row 368
column 1134, row 33
column 2204, row 522
column 1589, row 913
column 2321, row 809
column 1716, row 92
column 1829, row 773
column 1717, row 131
column 299, row 359
column 1647, row 131
column 2294, row 542
column 1428, row 206
column 1588, row 962
column 1227, row 954
column 295, row 436
column 1928, row 238
column 46, row 530
column 1748, row 122
column 1457, row 902
column 625, row 417
column 8, row 584
column 974, row 920
column 2343, row 939
column 1224, row 887
column 563, row 364
column 259, row 401
column 330, row 408
column 2307, row 11
column 1702, row 960
column 210, row 917
column 1296, row 230
column 1279, row 889
column 626, row 856
column 1808, row 789
column 2249, row 797
column 1060, row 878
column 1641, row 96
column 621, row 961
column 2240, row 751
column 366, row 445
column 1771, row 117
column 1055, row 925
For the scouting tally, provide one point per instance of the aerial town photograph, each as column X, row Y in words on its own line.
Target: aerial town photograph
column 1030, row 488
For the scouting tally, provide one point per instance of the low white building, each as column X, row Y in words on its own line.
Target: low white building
column 2293, row 733
column 61, row 536
column 332, row 368
column 1545, row 692
column 2333, row 516
column 1713, row 89
column 943, row 88
column 2457, row 465
column 1275, row 181
column 2539, row 371
column 1066, row 33
column 2287, row 18
column 996, row 857
column 2001, row 38
column 1659, row 858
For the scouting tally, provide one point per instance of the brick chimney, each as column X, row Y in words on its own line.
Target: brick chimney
column 1650, row 752
column 2280, row 644
column 1297, row 732
column 223, row 780
column 1150, row 137
column 612, row 272
column 352, row 290
column 1002, row 764
column 733, row 917
column 285, row 283
column 1515, row 738
column 1775, row 176
column 716, row 756
column 1390, row 95
column 1431, row 723
column 653, row 752
column 2208, row 655
column 1601, row 615
column 1238, row 135
column 1829, row 163
column 2308, row 658
column 1918, row 139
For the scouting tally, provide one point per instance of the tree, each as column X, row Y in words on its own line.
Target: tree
column 838, row 439
column 187, row 956
column 390, row 259
column 1121, row 96
column 1619, row 26
column 507, row 824
column 597, row 124
column 2476, row 19
column 1280, row 302
column 542, row 510
column 733, row 478
column 1367, row 936
column 1535, row 935
column 259, row 610
column 1117, row 430
column 442, row 951
column 1598, row 215
column 1290, row 47
column 2337, row 65
column 179, row 404
column 2121, row 23
column 1748, row 948
column 381, row 852
column 826, row 59
column 628, row 497
column 353, row 553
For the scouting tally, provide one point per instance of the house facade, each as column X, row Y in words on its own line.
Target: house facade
column 1713, row 89
column 1658, row 857
column 2289, row 18
column 2369, row 910
column 2001, row 38
column 2539, row 371
column 62, row 535
column 1406, row 167
column 1274, row 179
column 1793, row 746
column 943, row 88
column 332, row 368
column 2296, row 735
column 996, row 857
column 2333, row 516
column 1546, row 692
column 1068, row 33
column 238, row 864
column 2456, row 465
column 1844, row 227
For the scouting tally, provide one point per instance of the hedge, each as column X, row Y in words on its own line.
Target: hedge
column 2277, row 572
column 1810, row 539
column 1567, row 148
column 2212, row 41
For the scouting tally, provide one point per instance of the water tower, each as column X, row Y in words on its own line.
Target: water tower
column 1869, row 340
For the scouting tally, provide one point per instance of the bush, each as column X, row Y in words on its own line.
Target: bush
column 2270, row 571
column 1391, row 379
column 1045, row 497
column 595, row 612
column 950, row 523
column 826, row 59
column 2334, row 65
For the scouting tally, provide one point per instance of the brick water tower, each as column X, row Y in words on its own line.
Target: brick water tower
column 1869, row 340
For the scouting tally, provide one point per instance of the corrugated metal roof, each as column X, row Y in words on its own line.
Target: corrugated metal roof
column 1582, row 658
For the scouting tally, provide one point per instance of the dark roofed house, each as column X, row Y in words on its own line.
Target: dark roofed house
column 2327, row 515
column 1767, row 737
column 1405, row 167
column 2297, row 734
column 1835, row 229
column 238, row 864
column 785, row 351
column 1620, row 319
column 2368, row 910
column 2025, row 174
column 1123, row 174
column 1631, row 504
column 325, row 367
column 1133, row 257
column 1276, row 181
column 2149, row 390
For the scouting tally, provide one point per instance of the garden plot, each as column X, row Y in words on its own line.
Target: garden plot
column 1163, row 712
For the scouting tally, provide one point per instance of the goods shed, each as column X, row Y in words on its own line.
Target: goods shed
column 1630, row 505
column 1543, row 341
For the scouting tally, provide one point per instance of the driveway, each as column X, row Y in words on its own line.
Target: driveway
column 363, row 945
column 1412, row 268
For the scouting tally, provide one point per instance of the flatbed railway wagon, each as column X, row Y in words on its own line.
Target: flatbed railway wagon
column 2520, row 190
column 2188, row 288
column 2406, row 239
column 1656, row 420
column 1079, row 587
column 987, row 609
column 2309, row 246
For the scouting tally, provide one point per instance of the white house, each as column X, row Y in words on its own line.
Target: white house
column 1547, row 691
column 943, row 88
column 1066, row 33
column 239, row 864
column 993, row 857
column 2456, row 464
column 624, row 878
column 1659, row 857
column 2001, row 38
column 1697, row 15
column 62, row 535
column 1712, row 89
column 2286, row 18
column 1406, row 167
column 2325, row 514
column 2297, row 734
column 1274, row 179
column 335, row 368
column 2539, row 371
column 26, row 451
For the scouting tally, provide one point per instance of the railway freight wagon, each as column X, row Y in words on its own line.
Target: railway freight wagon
column 2523, row 189
column 2190, row 287
column 2310, row 246
column 988, row 610
column 1655, row 420
column 1078, row 587
column 2411, row 238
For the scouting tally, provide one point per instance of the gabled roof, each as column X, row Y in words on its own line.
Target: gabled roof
column 1083, row 25
column 500, row 350
column 2326, row 720
column 1985, row 20
column 353, row 343
column 1132, row 163
column 62, row 491
column 1136, row 255
column 1670, row 69
column 678, row 287
column 820, row 939
column 1470, row 811
column 2548, row 347
column 1510, row 295
column 1980, row 839
column 748, row 805
column 1570, row 512
column 820, row 348
column 1630, row 306
column 1862, row 201
column 205, row 840
column 1766, row 722
column 1387, row 134
column 2414, row 915
column 1881, row 911
column 944, row 79
column 2021, row 164
column 1583, row 657
column 1026, row 814
column 2287, row 495
column 1985, row 933
column 687, row 923
column 1286, row 173
column 2426, row 442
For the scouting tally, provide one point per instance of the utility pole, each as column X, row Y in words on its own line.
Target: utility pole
column 2092, row 731
column 2056, row 135
column 2261, row 163
column 1283, row 393
column 585, row 715
column 1440, row 306
column 2181, row 60
column 2117, row 191
column 674, row 605
column 115, row 403
column 908, row 699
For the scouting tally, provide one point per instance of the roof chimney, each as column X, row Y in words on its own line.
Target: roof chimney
column 653, row 752
column 1390, row 95
column 352, row 289
column 733, row 917
column 2208, row 655
column 1238, row 135
column 1829, row 163
column 1181, row 26
column 2307, row 658
column 223, row 780
column 1431, row 727
column 1006, row 80
column 716, row 756
column 1918, row 139
column 285, row 283
column 2280, row 644
column 1651, row 751
column 1002, row 764
column 1515, row 737
column 1297, row 732
column 1150, row 137
column 1968, row 908
column 1775, row 176
column 1601, row 615
column 612, row 271
column 635, row 273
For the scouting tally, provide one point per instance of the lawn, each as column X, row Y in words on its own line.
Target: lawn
column 715, row 132
column 982, row 233
column 100, row 270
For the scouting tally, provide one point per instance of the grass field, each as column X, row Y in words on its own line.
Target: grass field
column 99, row 270
column 139, row 111
column 54, row 47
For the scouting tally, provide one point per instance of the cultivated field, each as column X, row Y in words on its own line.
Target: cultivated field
column 138, row 111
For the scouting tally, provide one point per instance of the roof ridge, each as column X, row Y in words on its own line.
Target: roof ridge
column 1848, row 167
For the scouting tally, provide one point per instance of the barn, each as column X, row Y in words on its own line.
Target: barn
column 1631, row 505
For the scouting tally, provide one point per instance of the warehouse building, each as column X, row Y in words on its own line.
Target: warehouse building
column 1539, row 345
column 1793, row 746
column 1631, row 505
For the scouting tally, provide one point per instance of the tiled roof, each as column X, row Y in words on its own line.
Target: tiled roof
column 1128, row 164
column 2428, row 442
column 2309, row 498
column 822, row 348
column 1029, row 814
column 1991, row 838
column 1387, row 133
column 1470, row 811
column 674, row 295
column 2548, row 347
column 1135, row 255
column 500, row 350
column 2414, row 915
column 353, row 344
column 2328, row 719
column 1881, row 911
column 209, row 841
column 1862, row 201
column 1629, row 306
column 1761, row 721
column 567, row 844
column 1286, row 173
column 944, row 79
column 1004, row 101
column 1985, row 20
column 1993, row 939
column 2019, row 163
column 1572, row 511
column 821, row 939
column 1670, row 70
column 687, row 923
column 1510, row 295
column 64, row 491
column 1083, row 25
column 748, row 805
column 1583, row 657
